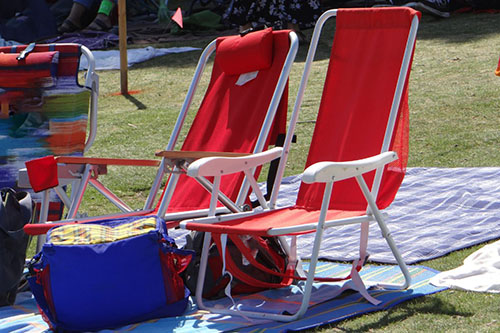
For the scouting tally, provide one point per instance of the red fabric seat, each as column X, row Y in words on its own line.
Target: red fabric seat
column 260, row 224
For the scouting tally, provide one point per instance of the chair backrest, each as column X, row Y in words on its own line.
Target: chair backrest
column 364, row 108
column 44, row 110
column 69, row 56
column 242, row 111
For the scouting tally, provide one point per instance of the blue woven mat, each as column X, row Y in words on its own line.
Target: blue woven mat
column 24, row 316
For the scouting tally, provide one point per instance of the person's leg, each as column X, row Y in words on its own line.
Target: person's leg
column 74, row 20
column 102, row 21
column 85, row 3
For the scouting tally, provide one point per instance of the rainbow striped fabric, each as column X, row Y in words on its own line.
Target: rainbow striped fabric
column 43, row 109
column 24, row 315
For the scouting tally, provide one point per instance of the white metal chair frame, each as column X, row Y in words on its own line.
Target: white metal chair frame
column 323, row 172
column 92, row 84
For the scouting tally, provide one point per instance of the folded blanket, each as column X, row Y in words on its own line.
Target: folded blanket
column 111, row 59
column 480, row 272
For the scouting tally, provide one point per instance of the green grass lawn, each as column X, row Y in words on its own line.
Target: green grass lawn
column 455, row 122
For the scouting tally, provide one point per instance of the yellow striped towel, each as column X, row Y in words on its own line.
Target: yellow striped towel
column 87, row 233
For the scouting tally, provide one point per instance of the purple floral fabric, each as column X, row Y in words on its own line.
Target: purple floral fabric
column 275, row 13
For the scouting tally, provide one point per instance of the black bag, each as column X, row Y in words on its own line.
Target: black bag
column 276, row 271
column 16, row 210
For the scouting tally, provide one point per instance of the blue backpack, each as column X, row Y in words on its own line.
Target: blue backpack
column 107, row 274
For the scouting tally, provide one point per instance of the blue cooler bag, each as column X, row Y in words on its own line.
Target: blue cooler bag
column 106, row 274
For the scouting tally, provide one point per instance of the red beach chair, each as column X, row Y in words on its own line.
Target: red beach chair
column 243, row 110
column 353, row 170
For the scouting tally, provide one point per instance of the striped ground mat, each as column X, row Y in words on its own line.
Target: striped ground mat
column 24, row 316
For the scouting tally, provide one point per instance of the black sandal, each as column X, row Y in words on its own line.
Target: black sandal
column 99, row 25
column 68, row 26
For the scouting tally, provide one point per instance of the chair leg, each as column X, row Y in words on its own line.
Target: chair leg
column 387, row 235
column 77, row 199
column 306, row 290
column 203, row 270
column 44, row 212
column 356, row 282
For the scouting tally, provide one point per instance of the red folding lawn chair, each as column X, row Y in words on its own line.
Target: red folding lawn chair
column 352, row 170
column 243, row 110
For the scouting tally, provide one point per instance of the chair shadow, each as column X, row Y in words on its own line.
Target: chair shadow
column 403, row 311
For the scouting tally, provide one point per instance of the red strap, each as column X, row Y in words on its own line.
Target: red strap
column 174, row 285
column 277, row 259
column 288, row 275
column 245, row 251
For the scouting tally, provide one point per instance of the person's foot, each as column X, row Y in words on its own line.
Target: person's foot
column 101, row 23
column 73, row 21
column 68, row 26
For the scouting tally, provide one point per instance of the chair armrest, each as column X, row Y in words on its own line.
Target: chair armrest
column 188, row 154
column 178, row 157
column 106, row 161
column 184, row 224
column 323, row 172
column 218, row 166
column 71, row 167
